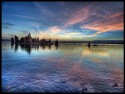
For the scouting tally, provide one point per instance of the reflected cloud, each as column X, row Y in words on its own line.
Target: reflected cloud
column 93, row 51
column 64, row 68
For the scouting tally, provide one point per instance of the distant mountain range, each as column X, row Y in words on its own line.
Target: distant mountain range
column 94, row 41
column 5, row 39
column 97, row 41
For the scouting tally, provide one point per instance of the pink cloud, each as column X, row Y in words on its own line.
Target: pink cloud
column 78, row 17
column 54, row 29
column 109, row 23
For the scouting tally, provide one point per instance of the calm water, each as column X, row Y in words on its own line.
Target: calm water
column 67, row 68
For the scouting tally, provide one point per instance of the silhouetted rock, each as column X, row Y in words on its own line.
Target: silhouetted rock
column 12, row 40
column 56, row 43
column 83, row 90
column 88, row 44
column 63, row 81
column 22, row 40
column 43, row 42
column 115, row 85
column 28, row 39
column 49, row 42
column 37, row 40
column 95, row 45
column 16, row 39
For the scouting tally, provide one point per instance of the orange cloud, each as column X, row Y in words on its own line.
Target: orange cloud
column 78, row 17
column 54, row 29
column 51, row 32
column 109, row 23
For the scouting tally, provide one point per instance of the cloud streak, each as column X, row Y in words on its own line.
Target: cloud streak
column 43, row 9
column 64, row 20
column 27, row 16
column 96, row 18
column 109, row 23
column 78, row 17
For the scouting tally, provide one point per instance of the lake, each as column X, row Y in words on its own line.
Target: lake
column 66, row 68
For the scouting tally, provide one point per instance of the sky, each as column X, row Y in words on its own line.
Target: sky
column 64, row 20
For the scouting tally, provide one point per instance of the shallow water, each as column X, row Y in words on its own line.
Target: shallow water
column 67, row 68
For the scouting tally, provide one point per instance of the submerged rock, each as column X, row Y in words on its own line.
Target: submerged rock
column 83, row 90
column 115, row 85
column 63, row 81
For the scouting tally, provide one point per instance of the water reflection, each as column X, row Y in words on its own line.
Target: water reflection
column 89, row 47
column 56, row 47
column 70, row 68
column 16, row 47
column 49, row 47
column 29, row 47
column 12, row 44
column 98, row 51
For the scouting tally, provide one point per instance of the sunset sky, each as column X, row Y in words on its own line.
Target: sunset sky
column 64, row 20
